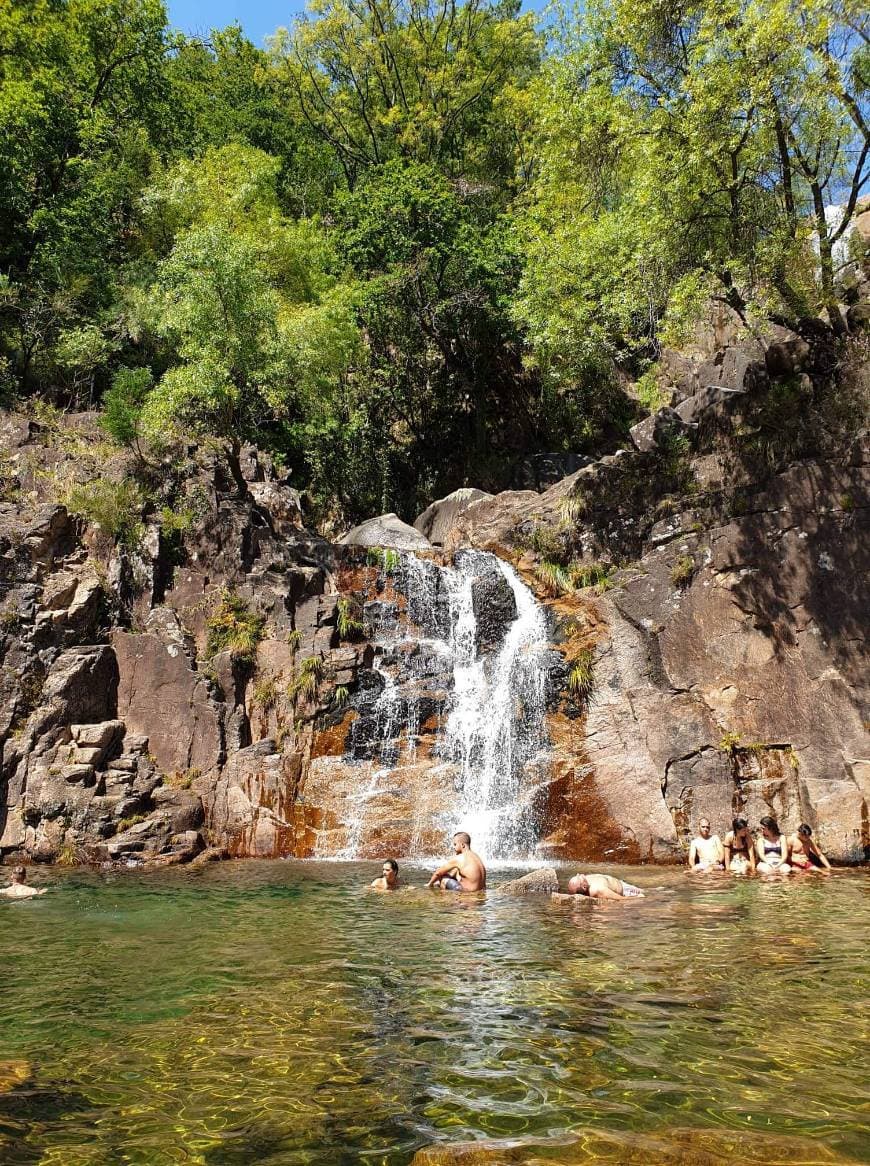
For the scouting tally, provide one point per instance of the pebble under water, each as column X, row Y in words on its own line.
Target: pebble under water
column 280, row 1014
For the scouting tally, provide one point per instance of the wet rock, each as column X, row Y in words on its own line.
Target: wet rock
column 208, row 855
column 388, row 530
column 536, row 882
column 495, row 608
column 251, row 807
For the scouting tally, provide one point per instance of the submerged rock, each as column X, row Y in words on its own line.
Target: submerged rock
column 536, row 882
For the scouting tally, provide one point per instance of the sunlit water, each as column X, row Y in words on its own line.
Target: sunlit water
column 280, row 1013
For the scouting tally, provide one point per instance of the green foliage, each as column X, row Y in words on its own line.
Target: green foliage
column 683, row 153
column 182, row 778
column 124, row 824
column 266, row 693
column 683, row 571
column 294, row 639
column 68, row 855
column 415, row 79
column 649, row 391
column 115, row 508
column 385, row 559
column 581, row 676
column 307, row 679
column 553, row 577
column 123, row 402
column 350, row 626
column 729, row 742
column 411, row 243
column 341, row 696
column 258, row 329
column 233, row 627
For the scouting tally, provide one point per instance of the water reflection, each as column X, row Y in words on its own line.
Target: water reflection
column 279, row 1013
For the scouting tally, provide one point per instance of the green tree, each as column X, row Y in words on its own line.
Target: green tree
column 222, row 90
column 257, row 324
column 688, row 151
column 414, row 79
column 81, row 87
column 444, row 388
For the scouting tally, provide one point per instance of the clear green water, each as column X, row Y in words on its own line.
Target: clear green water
column 280, row 1013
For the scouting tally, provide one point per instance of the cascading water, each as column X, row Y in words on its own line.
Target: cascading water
column 495, row 727
column 469, row 649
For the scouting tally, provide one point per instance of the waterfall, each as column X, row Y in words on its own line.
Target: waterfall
column 467, row 647
column 495, row 727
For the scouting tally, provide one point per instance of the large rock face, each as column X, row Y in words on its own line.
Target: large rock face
column 161, row 697
column 722, row 671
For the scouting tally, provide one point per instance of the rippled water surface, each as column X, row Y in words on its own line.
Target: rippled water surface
column 280, row 1013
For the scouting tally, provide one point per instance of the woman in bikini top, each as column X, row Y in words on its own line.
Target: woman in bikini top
column 803, row 851
column 739, row 849
column 772, row 849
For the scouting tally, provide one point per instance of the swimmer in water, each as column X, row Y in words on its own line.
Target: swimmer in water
column 463, row 872
column 18, row 888
column 739, row 848
column 389, row 879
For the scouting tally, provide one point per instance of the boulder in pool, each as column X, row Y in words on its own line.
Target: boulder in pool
column 536, row 882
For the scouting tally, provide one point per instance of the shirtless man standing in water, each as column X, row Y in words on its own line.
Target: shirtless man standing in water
column 464, row 872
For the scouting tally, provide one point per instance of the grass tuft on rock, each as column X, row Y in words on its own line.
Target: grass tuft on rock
column 233, row 627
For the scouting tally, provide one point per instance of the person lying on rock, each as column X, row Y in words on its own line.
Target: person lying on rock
column 18, row 888
column 390, row 877
column 463, row 872
column 706, row 851
column 601, row 886
column 803, row 853
column 772, row 849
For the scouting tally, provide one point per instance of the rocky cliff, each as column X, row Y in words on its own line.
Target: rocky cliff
column 189, row 667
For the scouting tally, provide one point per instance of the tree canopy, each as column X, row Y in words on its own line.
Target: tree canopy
column 412, row 242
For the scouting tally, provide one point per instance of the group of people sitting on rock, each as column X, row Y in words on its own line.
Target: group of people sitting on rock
column 464, row 871
column 770, row 853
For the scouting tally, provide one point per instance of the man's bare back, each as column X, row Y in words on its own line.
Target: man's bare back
column 18, row 888
column 464, row 871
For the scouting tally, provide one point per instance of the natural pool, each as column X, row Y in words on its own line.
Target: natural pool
column 279, row 1013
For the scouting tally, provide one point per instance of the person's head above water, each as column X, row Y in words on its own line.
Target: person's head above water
column 390, row 871
column 461, row 841
column 578, row 885
column 770, row 826
column 19, row 874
